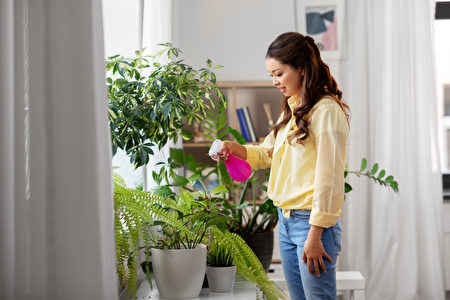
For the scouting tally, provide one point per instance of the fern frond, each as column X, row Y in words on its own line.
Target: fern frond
column 248, row 265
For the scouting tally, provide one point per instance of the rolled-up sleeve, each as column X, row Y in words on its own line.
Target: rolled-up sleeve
column 330, row 129
column 260, row 156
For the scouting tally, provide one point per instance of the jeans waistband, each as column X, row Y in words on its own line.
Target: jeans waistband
column 301, row 211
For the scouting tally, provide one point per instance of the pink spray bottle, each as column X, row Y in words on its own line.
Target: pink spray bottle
column 238, row 168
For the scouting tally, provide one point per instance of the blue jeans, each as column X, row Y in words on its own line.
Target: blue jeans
column 293, row 232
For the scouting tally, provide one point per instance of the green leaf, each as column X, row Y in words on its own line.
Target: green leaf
column 243, row 205
column 374, row 169
column 389, row 179
column 177, row 155
column 381, row 175
column 228, row 205
column 161, row 190
column 363, row 165
column 219, row 189
column 348, row 187
column 209, row 63
column 111, row 112
column 216, row 220
column 195, row 177
column 180, row 181
column 239, row 138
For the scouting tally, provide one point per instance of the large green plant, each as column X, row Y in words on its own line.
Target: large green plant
column 149, row 101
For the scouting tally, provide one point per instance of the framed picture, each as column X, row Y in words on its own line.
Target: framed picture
column 324, row 21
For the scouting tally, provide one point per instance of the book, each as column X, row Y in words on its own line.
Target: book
column 250, row 127
column 243, row 123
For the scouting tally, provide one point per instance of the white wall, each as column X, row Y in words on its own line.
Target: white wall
column 232, row 33
column 120, row 26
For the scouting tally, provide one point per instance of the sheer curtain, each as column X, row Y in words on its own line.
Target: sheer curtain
column 389, row 82
column 56, row 209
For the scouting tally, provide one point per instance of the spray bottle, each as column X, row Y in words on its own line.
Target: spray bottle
column 238, row 168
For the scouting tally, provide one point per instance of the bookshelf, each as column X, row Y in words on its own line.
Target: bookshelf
column 252, row 94
column 246, row 92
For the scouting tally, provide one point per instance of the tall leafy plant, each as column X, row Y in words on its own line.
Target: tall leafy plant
column 150, row 100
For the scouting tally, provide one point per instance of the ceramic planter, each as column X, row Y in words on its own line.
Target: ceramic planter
column 179, row 273
column 220, row 279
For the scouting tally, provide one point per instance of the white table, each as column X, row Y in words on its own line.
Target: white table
column 243, row 290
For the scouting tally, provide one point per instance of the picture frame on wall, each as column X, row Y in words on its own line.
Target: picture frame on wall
column 324, row 21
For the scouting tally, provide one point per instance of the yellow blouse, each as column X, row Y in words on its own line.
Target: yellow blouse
column 309, row 176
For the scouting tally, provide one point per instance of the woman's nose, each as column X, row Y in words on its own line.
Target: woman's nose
column 274, row 81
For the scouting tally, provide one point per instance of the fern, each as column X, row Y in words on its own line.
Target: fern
column 247, row 264
column 133, row 210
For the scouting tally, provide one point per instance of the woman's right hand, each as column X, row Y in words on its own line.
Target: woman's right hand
column 230, row 147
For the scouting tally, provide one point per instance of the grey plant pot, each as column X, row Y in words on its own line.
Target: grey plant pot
column 220, row 279
column 179, row 273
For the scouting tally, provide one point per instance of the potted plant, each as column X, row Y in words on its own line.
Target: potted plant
column 178, row 251
column 220, row 269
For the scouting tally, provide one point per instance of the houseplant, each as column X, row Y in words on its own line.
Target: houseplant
column 184, row 227
column 150, row 100
column 220, row 269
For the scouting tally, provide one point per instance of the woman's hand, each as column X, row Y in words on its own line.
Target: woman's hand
column 313, row 251
column 230, row 147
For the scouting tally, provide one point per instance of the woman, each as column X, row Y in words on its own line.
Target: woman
column 306, row 154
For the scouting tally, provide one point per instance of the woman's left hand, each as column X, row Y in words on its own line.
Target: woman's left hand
column 313, row 253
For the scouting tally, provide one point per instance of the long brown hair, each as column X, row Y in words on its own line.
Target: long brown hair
column 302, row 53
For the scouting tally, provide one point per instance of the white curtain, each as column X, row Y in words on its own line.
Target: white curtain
column 56, row 209
column 389, row 81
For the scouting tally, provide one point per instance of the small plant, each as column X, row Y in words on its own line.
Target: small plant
column 380, row 178
column 219, row 255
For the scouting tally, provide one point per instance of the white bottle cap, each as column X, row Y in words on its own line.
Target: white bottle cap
column 216, row 148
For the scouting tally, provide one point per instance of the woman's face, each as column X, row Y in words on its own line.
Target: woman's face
column 285, row 78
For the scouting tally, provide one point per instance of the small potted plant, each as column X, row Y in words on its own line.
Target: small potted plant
column 220, row 270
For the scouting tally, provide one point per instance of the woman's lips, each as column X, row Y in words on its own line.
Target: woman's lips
column 282, row 89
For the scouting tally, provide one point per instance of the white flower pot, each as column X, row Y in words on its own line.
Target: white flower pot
column 220, row 279
column 179, row 273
